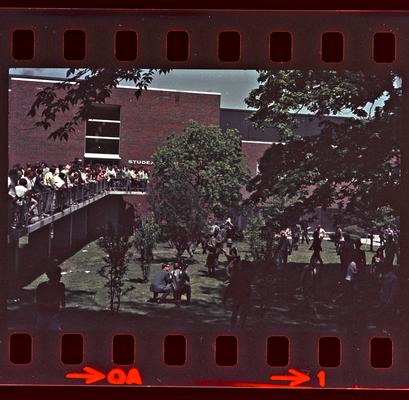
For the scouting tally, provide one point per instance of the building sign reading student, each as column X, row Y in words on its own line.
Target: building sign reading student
column 140, row 162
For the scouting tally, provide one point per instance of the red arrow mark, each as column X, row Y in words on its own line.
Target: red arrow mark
column 90, row 375
column 296, row 378
column 246, row 384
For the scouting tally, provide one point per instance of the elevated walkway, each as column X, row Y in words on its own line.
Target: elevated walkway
column 74, row 218
column 72, row 204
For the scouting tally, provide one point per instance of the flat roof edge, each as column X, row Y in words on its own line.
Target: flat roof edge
column 50, row 80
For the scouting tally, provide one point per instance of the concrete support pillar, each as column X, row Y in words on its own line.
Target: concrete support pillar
column 62, row 237
column 39, row 243
column 79, row 225
column 103, row 212
column 11, row 275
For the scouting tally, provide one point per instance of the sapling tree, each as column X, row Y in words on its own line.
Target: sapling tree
column 116, row 245
column 144, row 240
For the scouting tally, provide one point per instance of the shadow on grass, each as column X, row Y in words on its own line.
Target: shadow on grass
column 276, row 302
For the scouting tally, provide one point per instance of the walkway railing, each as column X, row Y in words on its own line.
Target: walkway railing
column 127, row 185
column 52, row 201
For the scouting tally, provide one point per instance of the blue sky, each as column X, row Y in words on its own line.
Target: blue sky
column 234, row 85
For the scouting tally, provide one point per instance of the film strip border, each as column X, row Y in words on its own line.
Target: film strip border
column 177, row 46
column 215, row 39
column 226, row 349
column 195, row 359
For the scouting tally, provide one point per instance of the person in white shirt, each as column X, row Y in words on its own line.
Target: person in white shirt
column 145, row 179
column 23, row 197
column 21, row 188
column 110, row 173
column 132, row 174
column 11, row 188
column 49, row 177
column 322, row 233
column 352, row 270
column 58, row 182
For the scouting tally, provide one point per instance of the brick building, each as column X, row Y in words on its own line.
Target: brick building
column 256, row 141
column 125, row 129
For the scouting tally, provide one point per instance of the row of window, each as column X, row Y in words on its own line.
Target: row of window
column 103, row 132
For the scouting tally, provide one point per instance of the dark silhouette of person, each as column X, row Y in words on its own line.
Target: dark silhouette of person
column 239, row 289
column 50, row 298
column 316, row 245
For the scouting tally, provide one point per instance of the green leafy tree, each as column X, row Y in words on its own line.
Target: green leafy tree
column 352, row 163
column 253, row 235
column 116, row 246
column 144, row 240
column 79, row 91
column 269, row 218
column 195, row 174
column 371, row 221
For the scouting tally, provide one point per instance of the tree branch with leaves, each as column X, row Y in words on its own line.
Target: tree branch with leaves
column 351, row 163
column 79, row 91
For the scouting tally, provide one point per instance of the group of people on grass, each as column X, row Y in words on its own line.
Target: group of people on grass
column 39, row 190
column 298, row 233
column 376, row 281
column 237, row 279
column 375, row 284
column 167, row 281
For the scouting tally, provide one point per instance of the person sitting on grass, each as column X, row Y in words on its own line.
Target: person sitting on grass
column 160, row 284
column 50, row 298
column 180, row 282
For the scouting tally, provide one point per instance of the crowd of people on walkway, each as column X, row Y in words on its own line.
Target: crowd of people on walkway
column 39, row 190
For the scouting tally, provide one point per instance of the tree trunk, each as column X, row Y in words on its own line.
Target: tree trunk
column 179, row 251
column 118, row 302
column 269, row 246
column 111, row 291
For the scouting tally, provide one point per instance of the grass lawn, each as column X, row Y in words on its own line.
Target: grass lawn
column 276, row 299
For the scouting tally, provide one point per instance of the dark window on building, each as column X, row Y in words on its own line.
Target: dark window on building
column 103, row 132
column 105, row 111
column 307, row 125
column 102, row 146
column 106, row 129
